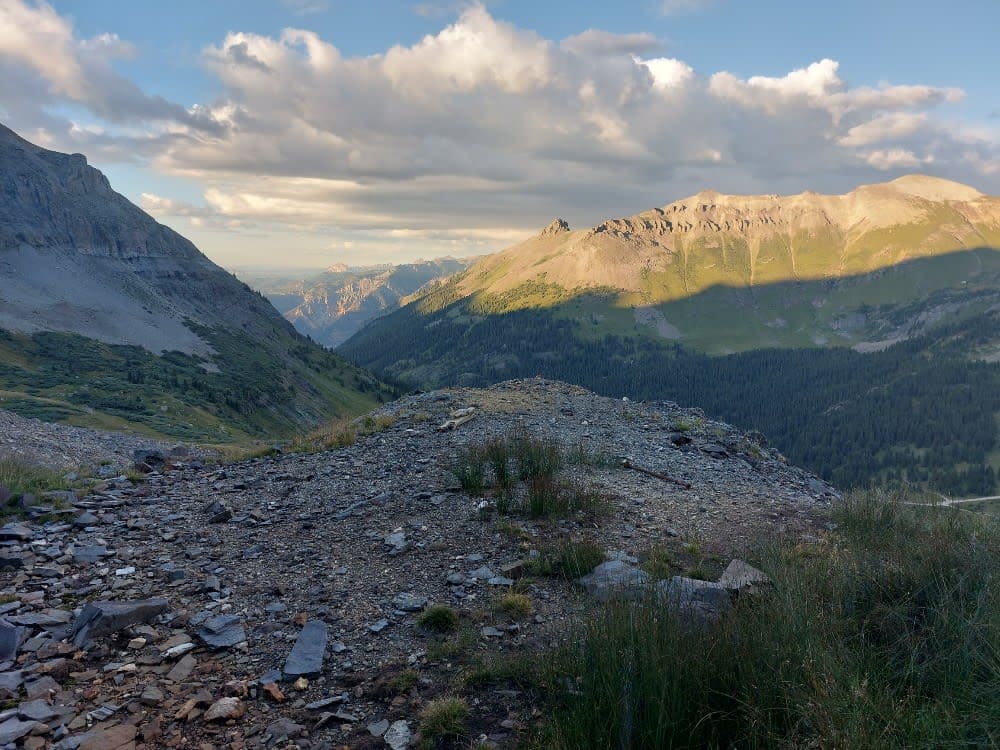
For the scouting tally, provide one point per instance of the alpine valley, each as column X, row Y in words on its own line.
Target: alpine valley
column 860, row 332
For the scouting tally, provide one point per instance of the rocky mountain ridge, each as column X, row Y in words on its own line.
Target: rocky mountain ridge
column 93, row 291
column 76, row 256
column 275, row 600
column 709, row 239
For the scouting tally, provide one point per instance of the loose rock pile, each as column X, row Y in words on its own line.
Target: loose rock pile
column 274, row 602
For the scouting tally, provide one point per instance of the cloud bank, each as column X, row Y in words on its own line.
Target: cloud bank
column 482, row 127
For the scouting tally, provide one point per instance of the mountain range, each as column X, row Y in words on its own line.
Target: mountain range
column 108, row 317
column 875, row 313
column 333, row 305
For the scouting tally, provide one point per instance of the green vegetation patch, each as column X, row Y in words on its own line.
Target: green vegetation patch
column 250, row 388
column 886, row 637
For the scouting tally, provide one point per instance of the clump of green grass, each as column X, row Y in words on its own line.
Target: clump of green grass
column 515, row 606
column 888, row 640
column 518, row 670
column 441, row 719
column 469, row 467
column 18, row 478
column 684, row 424
column 549, row 497
column 454, row 647
column 535, row 457
column 580, row 455
column 405, row 681
column 568, row 560
column 659, row 563
column 438, row 618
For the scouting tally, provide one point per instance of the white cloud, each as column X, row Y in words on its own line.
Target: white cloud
column 480, row 129
column 896, row 158
column 596, row 42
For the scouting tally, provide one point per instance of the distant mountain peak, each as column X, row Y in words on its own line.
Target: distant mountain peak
column 935, row 188
column 556, row 226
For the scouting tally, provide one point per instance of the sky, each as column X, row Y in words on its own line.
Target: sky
column 294, row 134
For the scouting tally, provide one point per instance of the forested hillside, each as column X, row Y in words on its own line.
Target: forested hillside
column 920, row 411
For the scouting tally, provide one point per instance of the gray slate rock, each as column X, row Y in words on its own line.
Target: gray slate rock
column 409, row 602
column 694, row 601
column 615, row 579
column 10, row 638
column 306, row 657
column 222, row 631
column 14, row 729
column 15, row 532
column 398, row 735
column 36, row 710
column 740, row 575
column 103, row 618
column 89, row 554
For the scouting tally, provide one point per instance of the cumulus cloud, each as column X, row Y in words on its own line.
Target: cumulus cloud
column 484, row 128
column 597, row 42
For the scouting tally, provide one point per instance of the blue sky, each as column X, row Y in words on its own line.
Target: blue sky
column 301, row 133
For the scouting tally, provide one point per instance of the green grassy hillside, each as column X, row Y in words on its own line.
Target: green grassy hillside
column 254, row 388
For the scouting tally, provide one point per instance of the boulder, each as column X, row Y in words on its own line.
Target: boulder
column 694, row 601
column 740, row 575
column 615, row 579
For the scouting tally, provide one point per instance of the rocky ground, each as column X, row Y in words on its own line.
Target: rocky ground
column 66, row 448
column 273, row 602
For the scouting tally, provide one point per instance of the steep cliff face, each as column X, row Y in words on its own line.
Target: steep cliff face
column 75, row 256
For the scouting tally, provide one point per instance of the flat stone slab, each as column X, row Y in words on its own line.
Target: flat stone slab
column 306, row 657
column 36, row 710
column 15, row 532
column 89, row 554
column 10, row 638
column 47, row 618
column 103, row 618
column 409, row 602
column 222, row 631
column 14, row 729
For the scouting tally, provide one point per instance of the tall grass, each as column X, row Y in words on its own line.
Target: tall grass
column 500, row 464
column 888, row 636
column 18, row 477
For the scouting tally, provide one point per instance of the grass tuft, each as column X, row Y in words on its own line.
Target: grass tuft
column 515, row 606
column 438, row 618
column 568, row 560
column 441, row 719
